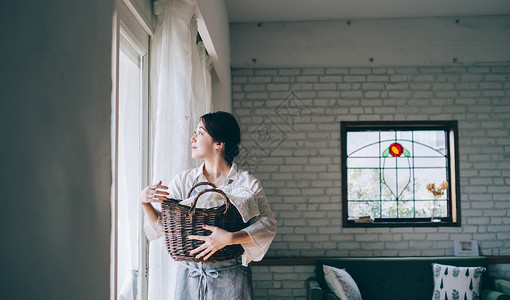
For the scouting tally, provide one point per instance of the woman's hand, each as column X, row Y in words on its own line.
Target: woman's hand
column 218, row 239
column 154, row 193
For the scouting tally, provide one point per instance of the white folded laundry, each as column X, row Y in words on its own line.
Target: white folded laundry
column 243, row 199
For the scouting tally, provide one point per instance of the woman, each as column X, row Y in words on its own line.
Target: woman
column 216, row 141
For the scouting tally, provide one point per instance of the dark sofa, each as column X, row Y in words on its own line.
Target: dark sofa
column 400, row 278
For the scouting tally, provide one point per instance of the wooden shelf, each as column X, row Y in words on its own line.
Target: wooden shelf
column 299, row 261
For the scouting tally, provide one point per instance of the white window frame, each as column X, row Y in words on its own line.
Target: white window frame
column 131, row 24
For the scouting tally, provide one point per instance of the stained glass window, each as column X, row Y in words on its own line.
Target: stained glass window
column 399, row 173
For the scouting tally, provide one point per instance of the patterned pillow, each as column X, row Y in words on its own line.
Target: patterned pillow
column 341, row 283
column 457, row 283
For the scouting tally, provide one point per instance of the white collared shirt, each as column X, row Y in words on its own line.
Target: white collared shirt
column 261, row 228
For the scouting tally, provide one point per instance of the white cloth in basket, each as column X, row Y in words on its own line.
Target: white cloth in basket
column 243, row 199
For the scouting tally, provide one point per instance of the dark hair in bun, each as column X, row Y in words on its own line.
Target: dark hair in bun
column 223, row 127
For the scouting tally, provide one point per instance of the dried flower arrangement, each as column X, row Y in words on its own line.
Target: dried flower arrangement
column 439, row 191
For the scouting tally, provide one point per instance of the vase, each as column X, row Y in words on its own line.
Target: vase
column 435, row 214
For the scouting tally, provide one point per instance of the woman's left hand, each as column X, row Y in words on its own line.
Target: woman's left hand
column 218, row 239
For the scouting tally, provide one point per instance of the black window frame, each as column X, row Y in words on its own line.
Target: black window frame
column 451, row 127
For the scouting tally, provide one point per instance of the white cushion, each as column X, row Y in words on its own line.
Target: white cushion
column 341, row 283
column 461, row 283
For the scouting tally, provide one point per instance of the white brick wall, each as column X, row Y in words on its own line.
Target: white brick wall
column 290, row 120
column 281, row 282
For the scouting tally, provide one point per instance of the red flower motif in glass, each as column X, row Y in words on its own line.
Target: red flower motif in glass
column 396, row 149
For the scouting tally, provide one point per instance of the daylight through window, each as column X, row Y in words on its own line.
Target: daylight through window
column 399, row 174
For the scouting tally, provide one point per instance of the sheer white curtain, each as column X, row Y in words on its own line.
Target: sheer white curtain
column 180, row 94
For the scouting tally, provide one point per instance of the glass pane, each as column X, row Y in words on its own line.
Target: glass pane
column 424, row 208
column 406, row 209
column 408, row 145
column 386, row 193
column 427, row 176
column 407, row 192
column 363, row 184
column 389, row 209
column 430, row 162
column 363, row 162
column 388, row 136
column 358, row 139
column 430, row 143
column 370, row 150
column 396, row 175
column 423, row 150
column 364, row 208
column 385, row 144
column 130, row 155
column 404, row 135
column 443, row 207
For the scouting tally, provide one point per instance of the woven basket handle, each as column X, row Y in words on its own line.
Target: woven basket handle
column 199, row 184
column 194, row 205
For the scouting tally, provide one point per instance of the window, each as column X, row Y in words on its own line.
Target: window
column 131, row 160
column 400, row 174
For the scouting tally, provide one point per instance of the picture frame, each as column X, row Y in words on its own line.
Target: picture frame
column 465, row 248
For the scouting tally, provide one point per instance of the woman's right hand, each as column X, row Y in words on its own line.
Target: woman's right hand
column 154, row 193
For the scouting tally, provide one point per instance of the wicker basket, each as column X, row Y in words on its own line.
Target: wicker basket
column 181, row 221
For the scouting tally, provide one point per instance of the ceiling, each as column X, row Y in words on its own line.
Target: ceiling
column 242, row 11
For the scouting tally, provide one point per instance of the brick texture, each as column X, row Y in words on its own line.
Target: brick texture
column 290, row 120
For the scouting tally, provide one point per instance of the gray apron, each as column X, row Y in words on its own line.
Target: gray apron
column 224, row 280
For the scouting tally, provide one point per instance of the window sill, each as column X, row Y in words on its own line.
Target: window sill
column 400, row 223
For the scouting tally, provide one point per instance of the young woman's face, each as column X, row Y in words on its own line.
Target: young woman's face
column 202, row 144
